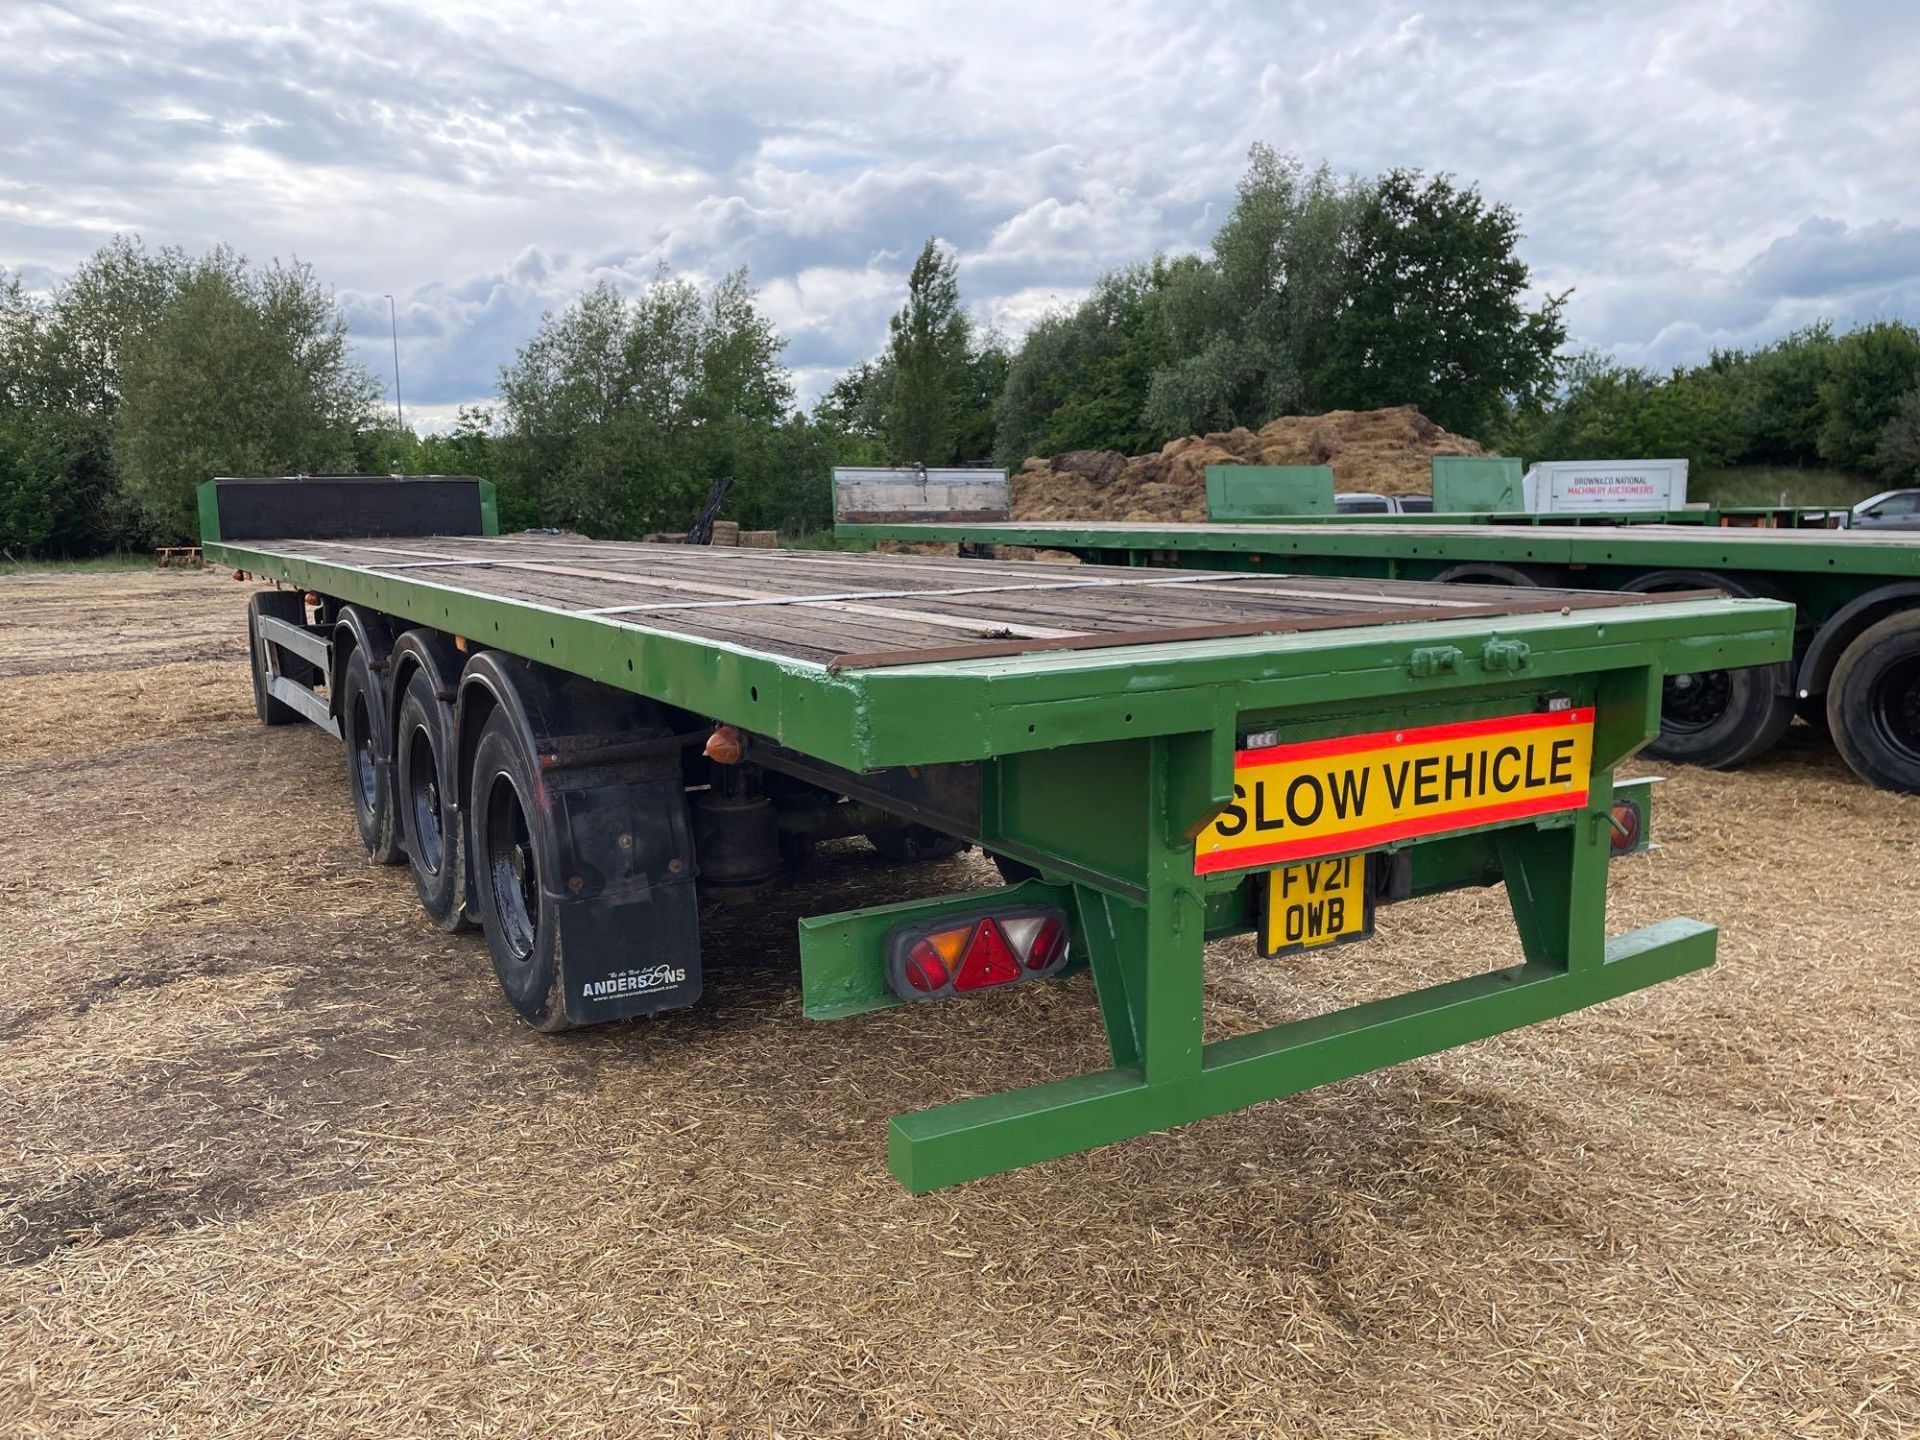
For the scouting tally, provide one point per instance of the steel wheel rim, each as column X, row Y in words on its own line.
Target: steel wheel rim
column 423, row 798
column 512, row 868
column 360, row 738
column 1691, row 703
column 1894, row 704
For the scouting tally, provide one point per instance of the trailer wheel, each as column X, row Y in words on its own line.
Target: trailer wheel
column 1873, row 703
column 427, row 802
column 369, row 777
column 1496, row 572
column 914, row 843
column 523, row 933
column 1717, row 719
column 274, row 605
column 1013, row 871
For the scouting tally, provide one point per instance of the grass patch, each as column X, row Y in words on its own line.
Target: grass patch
column 123, row 560
column 1781, row 485
column 823, row 540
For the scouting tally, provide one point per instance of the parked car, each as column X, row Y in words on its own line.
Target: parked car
column 1360, row 502
column 1889, row 510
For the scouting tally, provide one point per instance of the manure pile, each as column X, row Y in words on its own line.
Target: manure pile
column 1386, row 451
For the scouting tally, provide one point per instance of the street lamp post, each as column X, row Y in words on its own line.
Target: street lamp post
column 399, row 415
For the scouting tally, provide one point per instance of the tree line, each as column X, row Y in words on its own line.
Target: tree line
column 1814, row 397
column 147, row 371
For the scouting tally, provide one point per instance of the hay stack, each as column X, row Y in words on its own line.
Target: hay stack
column 1388, row 451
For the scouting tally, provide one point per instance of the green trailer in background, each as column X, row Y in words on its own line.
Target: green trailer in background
column 578, row 745
column 1854, row 670
column 1467, row 490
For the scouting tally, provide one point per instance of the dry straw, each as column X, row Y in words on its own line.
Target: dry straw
column 279, row 1163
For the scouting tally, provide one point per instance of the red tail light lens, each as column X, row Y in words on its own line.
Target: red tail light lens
column 1627, row 824
column 988, row 960
column 979, row 951
column 929, row 963
column 1049, row 950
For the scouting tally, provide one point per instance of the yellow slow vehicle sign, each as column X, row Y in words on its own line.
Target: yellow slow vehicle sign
column 1352, row 792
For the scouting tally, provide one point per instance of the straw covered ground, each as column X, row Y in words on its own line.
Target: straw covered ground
column 277, row 1161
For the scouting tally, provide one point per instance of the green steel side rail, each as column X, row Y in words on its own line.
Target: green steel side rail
column 1408, row 548
column 1814, row 517
column 1100, row 767
column 981, row 709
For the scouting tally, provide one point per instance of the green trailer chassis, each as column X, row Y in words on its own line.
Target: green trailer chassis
column 1098, row 768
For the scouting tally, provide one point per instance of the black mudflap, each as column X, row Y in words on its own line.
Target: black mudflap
column 607, row 976
column 629, row 917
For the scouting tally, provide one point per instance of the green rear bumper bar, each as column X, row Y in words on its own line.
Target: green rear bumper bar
column 972, row 1138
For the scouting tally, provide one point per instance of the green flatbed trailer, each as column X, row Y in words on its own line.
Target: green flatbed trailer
column 579, row 743
column 1708, row 517
column 1855, row 667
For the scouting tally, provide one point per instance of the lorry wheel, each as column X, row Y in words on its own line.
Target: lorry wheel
column 1873, row 703
column 1496, row 572
column 1013, row 871
column 369, row 776
column 275, row 605
column 915, row 842
column 1720, row 719
column 523, row 933
column 430, row 829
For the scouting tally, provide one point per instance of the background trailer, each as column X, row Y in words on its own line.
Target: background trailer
column 1855, row 667
column 576, row 743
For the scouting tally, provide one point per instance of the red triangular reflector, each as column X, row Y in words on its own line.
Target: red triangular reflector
column 988, row 961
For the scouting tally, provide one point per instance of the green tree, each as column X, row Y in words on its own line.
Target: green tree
column 1897, row 455
column 469, row 448
column 618, row 415
column 242, row 372
column 1079, row 380
column 983, row 380
column 1614, row 411
column 1869, row 372
column 1435, row 313
column 930, row 348
column 1247, row 331
column 855, row 408
column 1777, row 389
column 60, row 359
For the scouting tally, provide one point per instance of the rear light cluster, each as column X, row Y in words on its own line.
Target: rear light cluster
column 1628, row 823
column 961, row 953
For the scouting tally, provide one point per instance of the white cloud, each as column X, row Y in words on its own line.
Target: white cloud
column 1700, row 174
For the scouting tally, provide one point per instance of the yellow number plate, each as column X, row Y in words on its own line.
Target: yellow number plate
column 1323, row 902
column 1356, row 792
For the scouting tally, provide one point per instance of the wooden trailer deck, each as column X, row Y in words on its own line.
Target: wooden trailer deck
column 846, row 611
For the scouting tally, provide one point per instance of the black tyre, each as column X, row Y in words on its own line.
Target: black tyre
column 1718, row 719
column 516, row 914
column 363, row 728
column 1011, row 870
column 914, row 843
column 1496, row 572
column 275, row 605
column 427, row 802
column 1873, row 703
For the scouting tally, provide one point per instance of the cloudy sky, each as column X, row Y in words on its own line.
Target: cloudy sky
column 1699, row 174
